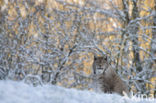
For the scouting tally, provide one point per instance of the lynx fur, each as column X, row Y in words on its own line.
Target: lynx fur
column 106, row 79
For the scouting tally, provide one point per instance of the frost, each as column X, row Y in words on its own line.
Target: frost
column 55, row 46
column 19, row 92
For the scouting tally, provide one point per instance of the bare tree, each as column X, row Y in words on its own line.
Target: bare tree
column 50, row 45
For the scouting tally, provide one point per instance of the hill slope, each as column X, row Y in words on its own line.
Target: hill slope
column 19, row 92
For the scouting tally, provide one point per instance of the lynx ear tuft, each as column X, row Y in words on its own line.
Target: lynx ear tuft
column 105, row 57
column 95, row 58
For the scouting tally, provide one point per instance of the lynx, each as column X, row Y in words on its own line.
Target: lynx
column 106, row 79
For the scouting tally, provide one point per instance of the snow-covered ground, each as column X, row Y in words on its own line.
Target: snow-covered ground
column 19, row 92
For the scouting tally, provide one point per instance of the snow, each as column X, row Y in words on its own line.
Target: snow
column 19, row 92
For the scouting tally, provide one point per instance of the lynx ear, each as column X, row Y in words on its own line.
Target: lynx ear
column 105, row 57
column 95, row 57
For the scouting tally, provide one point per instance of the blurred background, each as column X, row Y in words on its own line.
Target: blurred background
column 54, row 41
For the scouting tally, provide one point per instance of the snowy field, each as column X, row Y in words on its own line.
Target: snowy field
column 19, row 92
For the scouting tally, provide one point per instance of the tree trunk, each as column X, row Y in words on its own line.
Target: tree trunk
column 125, row 23
column 135, row 39
column 135, row 46
column 153, row 43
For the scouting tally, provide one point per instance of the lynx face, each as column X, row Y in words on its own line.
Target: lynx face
column 106, row 79
column 100, row 64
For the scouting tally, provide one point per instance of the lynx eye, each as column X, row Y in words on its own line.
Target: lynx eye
column 100, row 68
